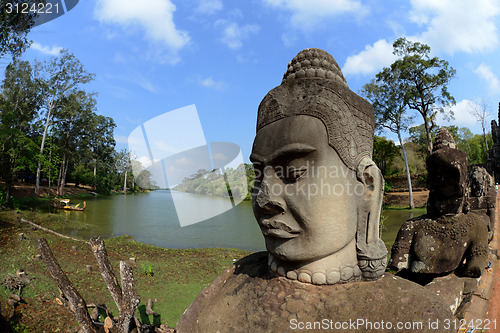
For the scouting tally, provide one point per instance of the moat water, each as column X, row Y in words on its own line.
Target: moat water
column 151, row 218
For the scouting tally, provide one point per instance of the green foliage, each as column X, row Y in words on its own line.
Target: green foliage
column 221, row 184
column 384, row 153
column 387, row 187
column 423, row 80
column 14, row 28
column 147, row 269
column 471, row 144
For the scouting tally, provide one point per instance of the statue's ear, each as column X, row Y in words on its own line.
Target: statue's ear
column 372, row 253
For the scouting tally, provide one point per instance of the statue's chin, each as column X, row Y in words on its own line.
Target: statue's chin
column 293, row 258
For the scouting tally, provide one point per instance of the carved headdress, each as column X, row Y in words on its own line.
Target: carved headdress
column 314, row 85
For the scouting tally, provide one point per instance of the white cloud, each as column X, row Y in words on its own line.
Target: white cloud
column 233, row 34
column 154, row 17
column 211, row 83
column 486, row 74
column 209, row 7
column 306, row 14
column 462, row 113
column 457, row 25
column 54, row 50
column 371, row 60
column 146, row 84
column 462, row 116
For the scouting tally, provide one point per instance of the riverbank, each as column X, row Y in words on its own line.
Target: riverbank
column 171, row 278
column 402, row 199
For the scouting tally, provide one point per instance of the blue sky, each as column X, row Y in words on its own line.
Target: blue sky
column 153, row 56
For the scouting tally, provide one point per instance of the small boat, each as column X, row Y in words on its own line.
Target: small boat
column 64, row 204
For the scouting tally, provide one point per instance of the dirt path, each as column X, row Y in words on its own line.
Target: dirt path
column 26, row 190
column 402, row 199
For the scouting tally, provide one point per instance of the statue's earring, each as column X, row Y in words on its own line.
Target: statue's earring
column 371, row 250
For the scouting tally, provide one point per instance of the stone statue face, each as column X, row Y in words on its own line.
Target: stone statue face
column 304, row 197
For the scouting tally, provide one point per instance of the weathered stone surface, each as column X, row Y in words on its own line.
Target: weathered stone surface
column 482, row 197
column 445, row 239
column 248, row 298
column 493, row 160
column 439, row 246
column 452, row 290
column 446, row 177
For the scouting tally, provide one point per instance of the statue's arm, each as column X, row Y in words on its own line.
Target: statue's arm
column 476, row 254
column 401, row 248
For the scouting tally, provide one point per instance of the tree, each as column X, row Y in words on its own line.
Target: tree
column 424, row 81
column 100, row 144
column 15, row 26
column 418, row 136
column 72, row 121
column 123, row 162
column 384, row 152
column 18, row 111
column 480, row 111
column 389, row 105
column 57, row 78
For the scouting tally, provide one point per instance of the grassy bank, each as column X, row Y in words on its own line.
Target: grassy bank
column 171, row 278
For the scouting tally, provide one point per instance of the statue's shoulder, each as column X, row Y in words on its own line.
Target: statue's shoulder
column 248, row 298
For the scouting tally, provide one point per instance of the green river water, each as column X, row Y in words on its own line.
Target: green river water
column 151, row 218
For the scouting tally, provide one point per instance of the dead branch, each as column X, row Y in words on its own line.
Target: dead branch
column 52, row 231
column 99, row 250
column 76, row 304
column 149, row 309
column 130, row 297
column 126, row 297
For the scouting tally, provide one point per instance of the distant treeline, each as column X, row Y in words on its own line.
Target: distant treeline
column 237, row 183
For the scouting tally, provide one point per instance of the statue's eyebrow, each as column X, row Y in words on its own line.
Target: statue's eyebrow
column 292, row 148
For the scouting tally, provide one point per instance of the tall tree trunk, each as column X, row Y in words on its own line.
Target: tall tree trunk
column 408, row 176
column 429, row 137
column 95, row 173
column 61, row 176
column 485, row 140
column 63, row 179
column 7, row 195
column 125, row 183
column 50, row 164
column 39, row 166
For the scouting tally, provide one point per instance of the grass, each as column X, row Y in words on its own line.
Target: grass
column 416, row 209
column 171, row 278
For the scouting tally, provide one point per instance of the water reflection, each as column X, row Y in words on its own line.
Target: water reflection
column 151, row 218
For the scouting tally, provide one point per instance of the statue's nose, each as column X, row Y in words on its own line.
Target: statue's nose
column 271, row 203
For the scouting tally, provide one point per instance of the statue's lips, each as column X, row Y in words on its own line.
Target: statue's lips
column 277, row 229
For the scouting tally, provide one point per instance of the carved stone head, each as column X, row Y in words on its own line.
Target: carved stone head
column 318, row 194
column 446, row 176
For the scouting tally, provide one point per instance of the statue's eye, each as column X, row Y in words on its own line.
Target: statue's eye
column 293, row 174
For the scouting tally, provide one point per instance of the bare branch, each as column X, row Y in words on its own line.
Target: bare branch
column 74, row 300
column 130, row 297
column 99, row 250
